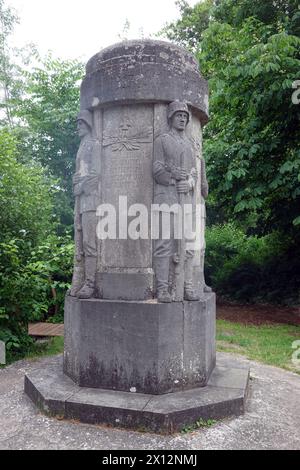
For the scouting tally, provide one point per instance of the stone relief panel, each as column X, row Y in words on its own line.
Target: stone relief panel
column 128, row 136
column 127, row 172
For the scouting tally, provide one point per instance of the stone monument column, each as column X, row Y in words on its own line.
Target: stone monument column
column 139, row 319
column 128, row 88
column 137, row 92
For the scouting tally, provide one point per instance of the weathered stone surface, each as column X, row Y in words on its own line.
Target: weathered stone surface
column 144, row 71
column 146, row 346
column 52, row 388
column 223, row 396
column 124, row 102
column 222, row 378
column 132, row 284
column 177, row 170
column 126, row 172
column 127, row 139
column 86, row 191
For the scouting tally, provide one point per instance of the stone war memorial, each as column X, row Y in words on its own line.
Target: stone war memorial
column 139, row 317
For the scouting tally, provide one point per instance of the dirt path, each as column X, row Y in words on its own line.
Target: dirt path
column 258, row 314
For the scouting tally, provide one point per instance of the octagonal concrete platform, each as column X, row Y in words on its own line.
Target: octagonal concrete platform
column 57, row 395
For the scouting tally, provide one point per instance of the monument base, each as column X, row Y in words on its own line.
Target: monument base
column 57, row 395
column 145, row 346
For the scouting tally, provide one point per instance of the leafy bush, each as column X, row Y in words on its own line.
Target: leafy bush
column 25, row 195
column 32, row 287
column 52, row 261
column 35, row 264
column 252, row 269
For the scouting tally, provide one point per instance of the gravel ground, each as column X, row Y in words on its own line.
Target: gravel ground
column 272, row 420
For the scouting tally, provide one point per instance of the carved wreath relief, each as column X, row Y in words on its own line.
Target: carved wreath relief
column 129, row 137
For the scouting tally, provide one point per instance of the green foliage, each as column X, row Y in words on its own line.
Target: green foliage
column 251, row 268
column 32, row 286
column 38, row 145
column 42, row 107
column 35, row 264
column 200, row 423
column 25, row 195
column 249, row 50
column 17, row 343
column 49, row 111
column 252, row 147
column 51, row 347
column 189, row 28
column 52, row 263
column 7, row 22
column 276, row 13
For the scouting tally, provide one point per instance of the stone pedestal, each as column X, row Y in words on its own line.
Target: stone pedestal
column 145, row 346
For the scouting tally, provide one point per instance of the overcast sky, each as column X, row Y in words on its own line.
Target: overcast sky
column 79, row 29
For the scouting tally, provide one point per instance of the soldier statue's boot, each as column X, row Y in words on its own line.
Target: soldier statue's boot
column 77, row 281
column 88, row 288
column 162, row 265
column 189, row 291
column 206, row 288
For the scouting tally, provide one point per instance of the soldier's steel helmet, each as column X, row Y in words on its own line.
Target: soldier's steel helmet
column 177, row 106
column 86, row 116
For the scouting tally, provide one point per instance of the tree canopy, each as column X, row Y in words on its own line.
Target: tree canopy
column 250, row 52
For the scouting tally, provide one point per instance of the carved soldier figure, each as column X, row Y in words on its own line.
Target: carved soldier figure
column 86, row 192
column 175, row 176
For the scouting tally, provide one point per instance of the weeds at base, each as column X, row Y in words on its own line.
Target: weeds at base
column 200, row 423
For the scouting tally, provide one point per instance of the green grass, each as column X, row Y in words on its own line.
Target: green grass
column 54, row 346
column 270, row 344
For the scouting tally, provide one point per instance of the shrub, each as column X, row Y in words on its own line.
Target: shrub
column 35, row 264
column 251, row 268
column 32, row 287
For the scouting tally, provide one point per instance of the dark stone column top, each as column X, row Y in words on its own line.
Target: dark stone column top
column 144, row 71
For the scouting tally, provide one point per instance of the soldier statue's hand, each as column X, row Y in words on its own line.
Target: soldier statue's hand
column 183, row 187
column 77, row 189
column 179, row 173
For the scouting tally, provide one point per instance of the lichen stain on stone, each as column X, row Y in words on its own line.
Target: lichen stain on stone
column 114, row 376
